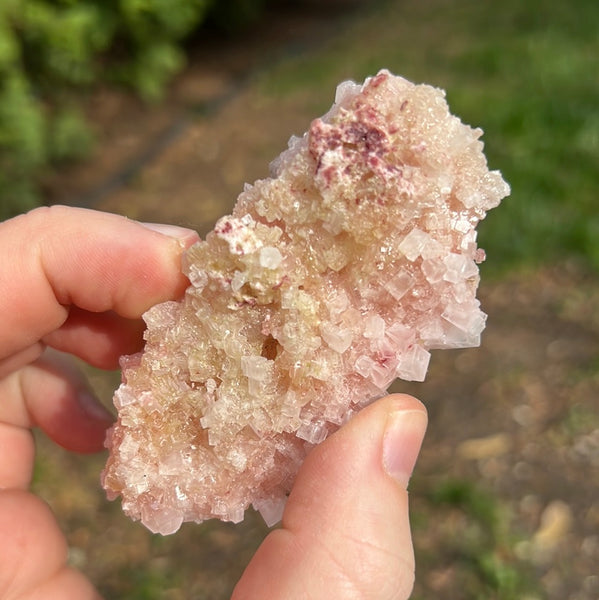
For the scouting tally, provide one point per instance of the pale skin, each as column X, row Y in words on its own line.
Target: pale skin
column 78, row 281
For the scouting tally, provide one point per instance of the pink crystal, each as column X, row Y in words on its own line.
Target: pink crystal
column 329, row 280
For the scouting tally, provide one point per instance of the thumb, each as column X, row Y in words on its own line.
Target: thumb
column 346, row 531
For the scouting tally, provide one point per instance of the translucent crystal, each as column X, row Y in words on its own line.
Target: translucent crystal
column 327, row 282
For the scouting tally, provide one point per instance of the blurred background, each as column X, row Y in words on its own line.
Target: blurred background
column 161, row 110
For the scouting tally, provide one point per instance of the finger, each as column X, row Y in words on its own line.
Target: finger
column 98, row 338
column 17, row 452
column 32, row 564
column 96, row 261
column 21, row 358
column 346, row 530
column 53, row 395
column 66, row 584
column 37, row 549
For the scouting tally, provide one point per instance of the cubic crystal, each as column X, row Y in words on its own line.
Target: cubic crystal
column 330, row 279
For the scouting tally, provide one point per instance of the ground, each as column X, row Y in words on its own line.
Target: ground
column 504, row 497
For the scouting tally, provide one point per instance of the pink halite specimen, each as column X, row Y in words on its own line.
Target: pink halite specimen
column 329, row 280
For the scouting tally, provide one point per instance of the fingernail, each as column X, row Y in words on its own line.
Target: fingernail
column 93, row 408
column 173, row 231
column 401, row 443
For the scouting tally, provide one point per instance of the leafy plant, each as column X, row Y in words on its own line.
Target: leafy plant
column 53, row 51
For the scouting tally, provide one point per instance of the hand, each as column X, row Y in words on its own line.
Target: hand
column 345, row 532
column 78, row 281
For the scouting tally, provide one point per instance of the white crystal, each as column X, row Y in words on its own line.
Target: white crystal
column 413, row 364
column 238, row 280
column 256, row 367
column 459, row 267
column 314, row 433
column 165, row 521
column 271, row 509
column 400, row 284
column 414, row 243
column 374, row 327
column 270, row 258
column 338, row 338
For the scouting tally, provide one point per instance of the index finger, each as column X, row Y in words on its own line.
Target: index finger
column 59, row 257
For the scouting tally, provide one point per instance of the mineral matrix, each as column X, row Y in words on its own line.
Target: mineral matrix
column 330, row 279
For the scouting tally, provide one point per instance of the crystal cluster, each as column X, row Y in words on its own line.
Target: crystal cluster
column 330, row 279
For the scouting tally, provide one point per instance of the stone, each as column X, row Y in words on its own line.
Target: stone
column 330, row 279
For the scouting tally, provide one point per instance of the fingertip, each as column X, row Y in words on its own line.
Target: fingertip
column 402, row 440
column 96, row 260
column 78, row 422
column 377, row 448
column 184, row 236
column 32, row 547
column 400, row 401
column 66, row 583
column 400, row 421
column 67, row 412
column 33, row 553
column 93, row 408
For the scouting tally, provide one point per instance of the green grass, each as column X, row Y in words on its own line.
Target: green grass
column 527, row 73
column 475, row 542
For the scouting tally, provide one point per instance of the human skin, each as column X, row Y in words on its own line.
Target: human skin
column 78, row 281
